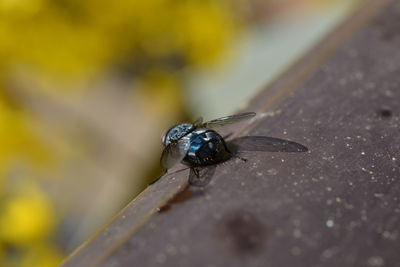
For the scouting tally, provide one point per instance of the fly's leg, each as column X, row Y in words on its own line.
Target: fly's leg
column 201, row 176
column 196, row 172
column 239, row 157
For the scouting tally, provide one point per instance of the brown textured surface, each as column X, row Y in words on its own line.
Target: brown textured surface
column 336, row 205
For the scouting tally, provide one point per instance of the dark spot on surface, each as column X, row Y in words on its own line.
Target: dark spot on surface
column 184, row 195
column 385, row 113
column 243, row 233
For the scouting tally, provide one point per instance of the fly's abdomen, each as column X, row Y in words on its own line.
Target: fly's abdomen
column 207, row 147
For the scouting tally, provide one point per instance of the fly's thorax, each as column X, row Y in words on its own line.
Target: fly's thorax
column 177, row 132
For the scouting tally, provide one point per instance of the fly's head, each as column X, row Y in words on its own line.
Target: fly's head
column 176, row 132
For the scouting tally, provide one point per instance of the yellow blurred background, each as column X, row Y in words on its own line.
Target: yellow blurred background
column 88, row 87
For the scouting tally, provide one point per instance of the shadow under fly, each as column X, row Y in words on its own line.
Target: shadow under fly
column 201, row 148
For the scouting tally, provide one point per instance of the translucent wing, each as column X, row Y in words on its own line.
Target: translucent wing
column 264, row 143
column 228, row 120
column 174, row 153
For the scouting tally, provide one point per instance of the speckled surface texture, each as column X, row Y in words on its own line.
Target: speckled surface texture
column 336, row 205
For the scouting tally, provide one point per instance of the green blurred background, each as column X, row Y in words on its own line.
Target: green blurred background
column 88, row 87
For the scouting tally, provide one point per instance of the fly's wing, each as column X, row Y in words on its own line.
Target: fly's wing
column 228, row 120
column 201, row 176
column 174, row 153
column 264, row 143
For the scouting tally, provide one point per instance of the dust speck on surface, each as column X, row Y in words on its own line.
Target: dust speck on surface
column 376, row 261
column 329, row 189
column 390, row 235
column 296, row 251
column 171, row 249
column 330, row 223
column 161, row 258
column 297, row 233
column 328, row 253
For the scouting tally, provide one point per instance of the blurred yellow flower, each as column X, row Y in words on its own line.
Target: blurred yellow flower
column 41, row 255
column 45, row 43
column 161, row 91
column 27, row 217
column 204, row 29
column 85, row 37
column 18, row 141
